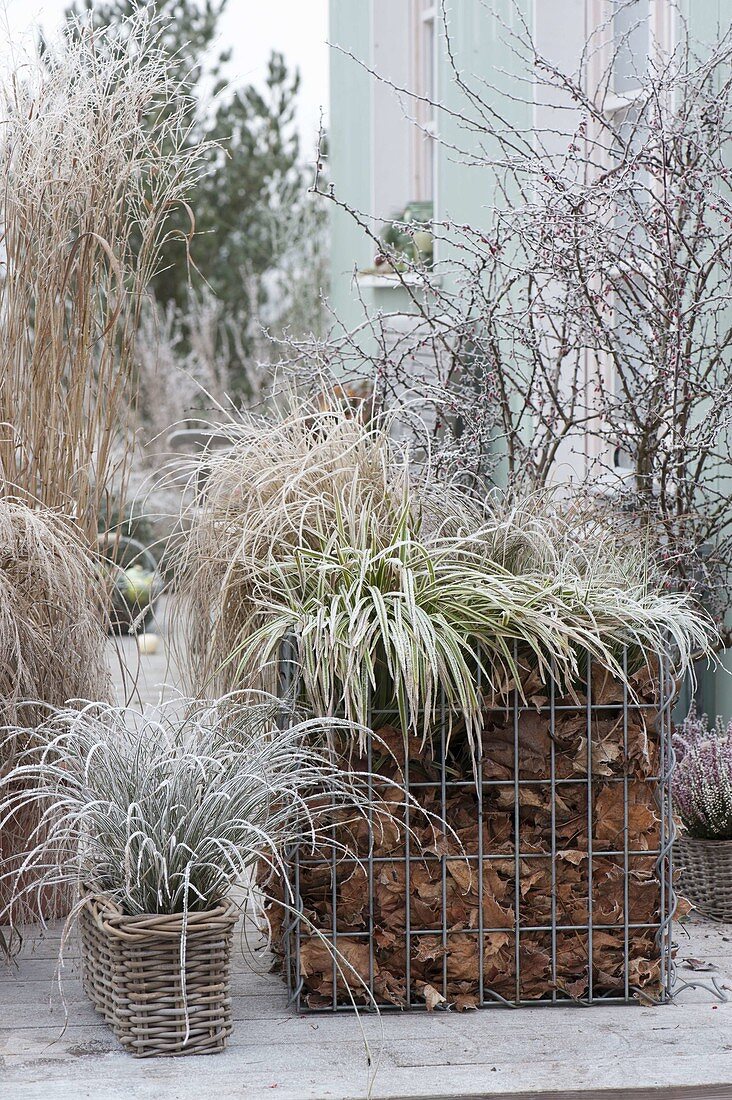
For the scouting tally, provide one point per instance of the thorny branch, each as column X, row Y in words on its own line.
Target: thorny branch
column 581, row 333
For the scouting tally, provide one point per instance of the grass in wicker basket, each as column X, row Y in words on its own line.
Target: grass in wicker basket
column 393, row 583
column 154, row 819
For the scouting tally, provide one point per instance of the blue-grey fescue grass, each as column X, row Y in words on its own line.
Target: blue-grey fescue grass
column 166, row 812
column 169, row 812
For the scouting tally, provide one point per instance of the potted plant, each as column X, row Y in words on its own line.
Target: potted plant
column 154, row 820
column 703, row 798
column 515, row 659
column 407, row 241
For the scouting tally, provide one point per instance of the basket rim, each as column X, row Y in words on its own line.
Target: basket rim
column 107, row 914
column 703, row 842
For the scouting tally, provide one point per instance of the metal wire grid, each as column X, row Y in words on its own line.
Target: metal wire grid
column 296, row 930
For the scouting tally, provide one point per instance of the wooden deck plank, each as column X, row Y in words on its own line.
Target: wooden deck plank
column 677, row 1052
column 568, row 1051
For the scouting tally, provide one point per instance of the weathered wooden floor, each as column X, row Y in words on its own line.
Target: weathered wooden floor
column 144, row 680
column 497, row 1052
column 681, row 1050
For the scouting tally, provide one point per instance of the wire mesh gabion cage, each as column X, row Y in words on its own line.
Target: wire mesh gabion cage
column 534, row 869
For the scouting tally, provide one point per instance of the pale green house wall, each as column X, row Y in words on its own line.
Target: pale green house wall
column 707, row 20
column 463, row 193
column 349, row 146
column 360, row 148
column 365, row 155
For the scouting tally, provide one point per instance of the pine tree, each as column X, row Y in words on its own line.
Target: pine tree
column 253, row 180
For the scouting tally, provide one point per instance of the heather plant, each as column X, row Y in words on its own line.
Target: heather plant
column 702, row 784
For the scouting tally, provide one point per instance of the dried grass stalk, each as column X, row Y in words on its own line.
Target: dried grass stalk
column 51, row 617
column 95, row 157
column 52, row 650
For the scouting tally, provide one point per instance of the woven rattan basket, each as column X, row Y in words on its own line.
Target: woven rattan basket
column 132, row 973
column 705, row 875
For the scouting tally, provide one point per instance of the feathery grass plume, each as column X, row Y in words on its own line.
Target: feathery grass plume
column 51, row 616
column 396, row 586
column 95, row 158
column 52, row 641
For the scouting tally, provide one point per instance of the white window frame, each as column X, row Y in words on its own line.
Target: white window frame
column 424, row 166
column 662, row 35
column 663, row 32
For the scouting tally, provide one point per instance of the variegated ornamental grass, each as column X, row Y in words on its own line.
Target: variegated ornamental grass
column 164, row 812
column 397, row 587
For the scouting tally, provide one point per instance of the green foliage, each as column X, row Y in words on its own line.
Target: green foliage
column 408, row 238
column 253, row 182
column 128, row 522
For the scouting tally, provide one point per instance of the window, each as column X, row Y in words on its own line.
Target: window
column 630, row 46
column 424, row 43
column 640, row 31
column 631, row 36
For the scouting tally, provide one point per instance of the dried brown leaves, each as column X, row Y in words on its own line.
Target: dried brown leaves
column 547, row 883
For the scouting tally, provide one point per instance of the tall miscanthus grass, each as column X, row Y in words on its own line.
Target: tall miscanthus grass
column 168, row 811
column 395, row 586
column 95, row 160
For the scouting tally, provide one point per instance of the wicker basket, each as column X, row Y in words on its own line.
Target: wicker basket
column 705, row 875
column 132, row 974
